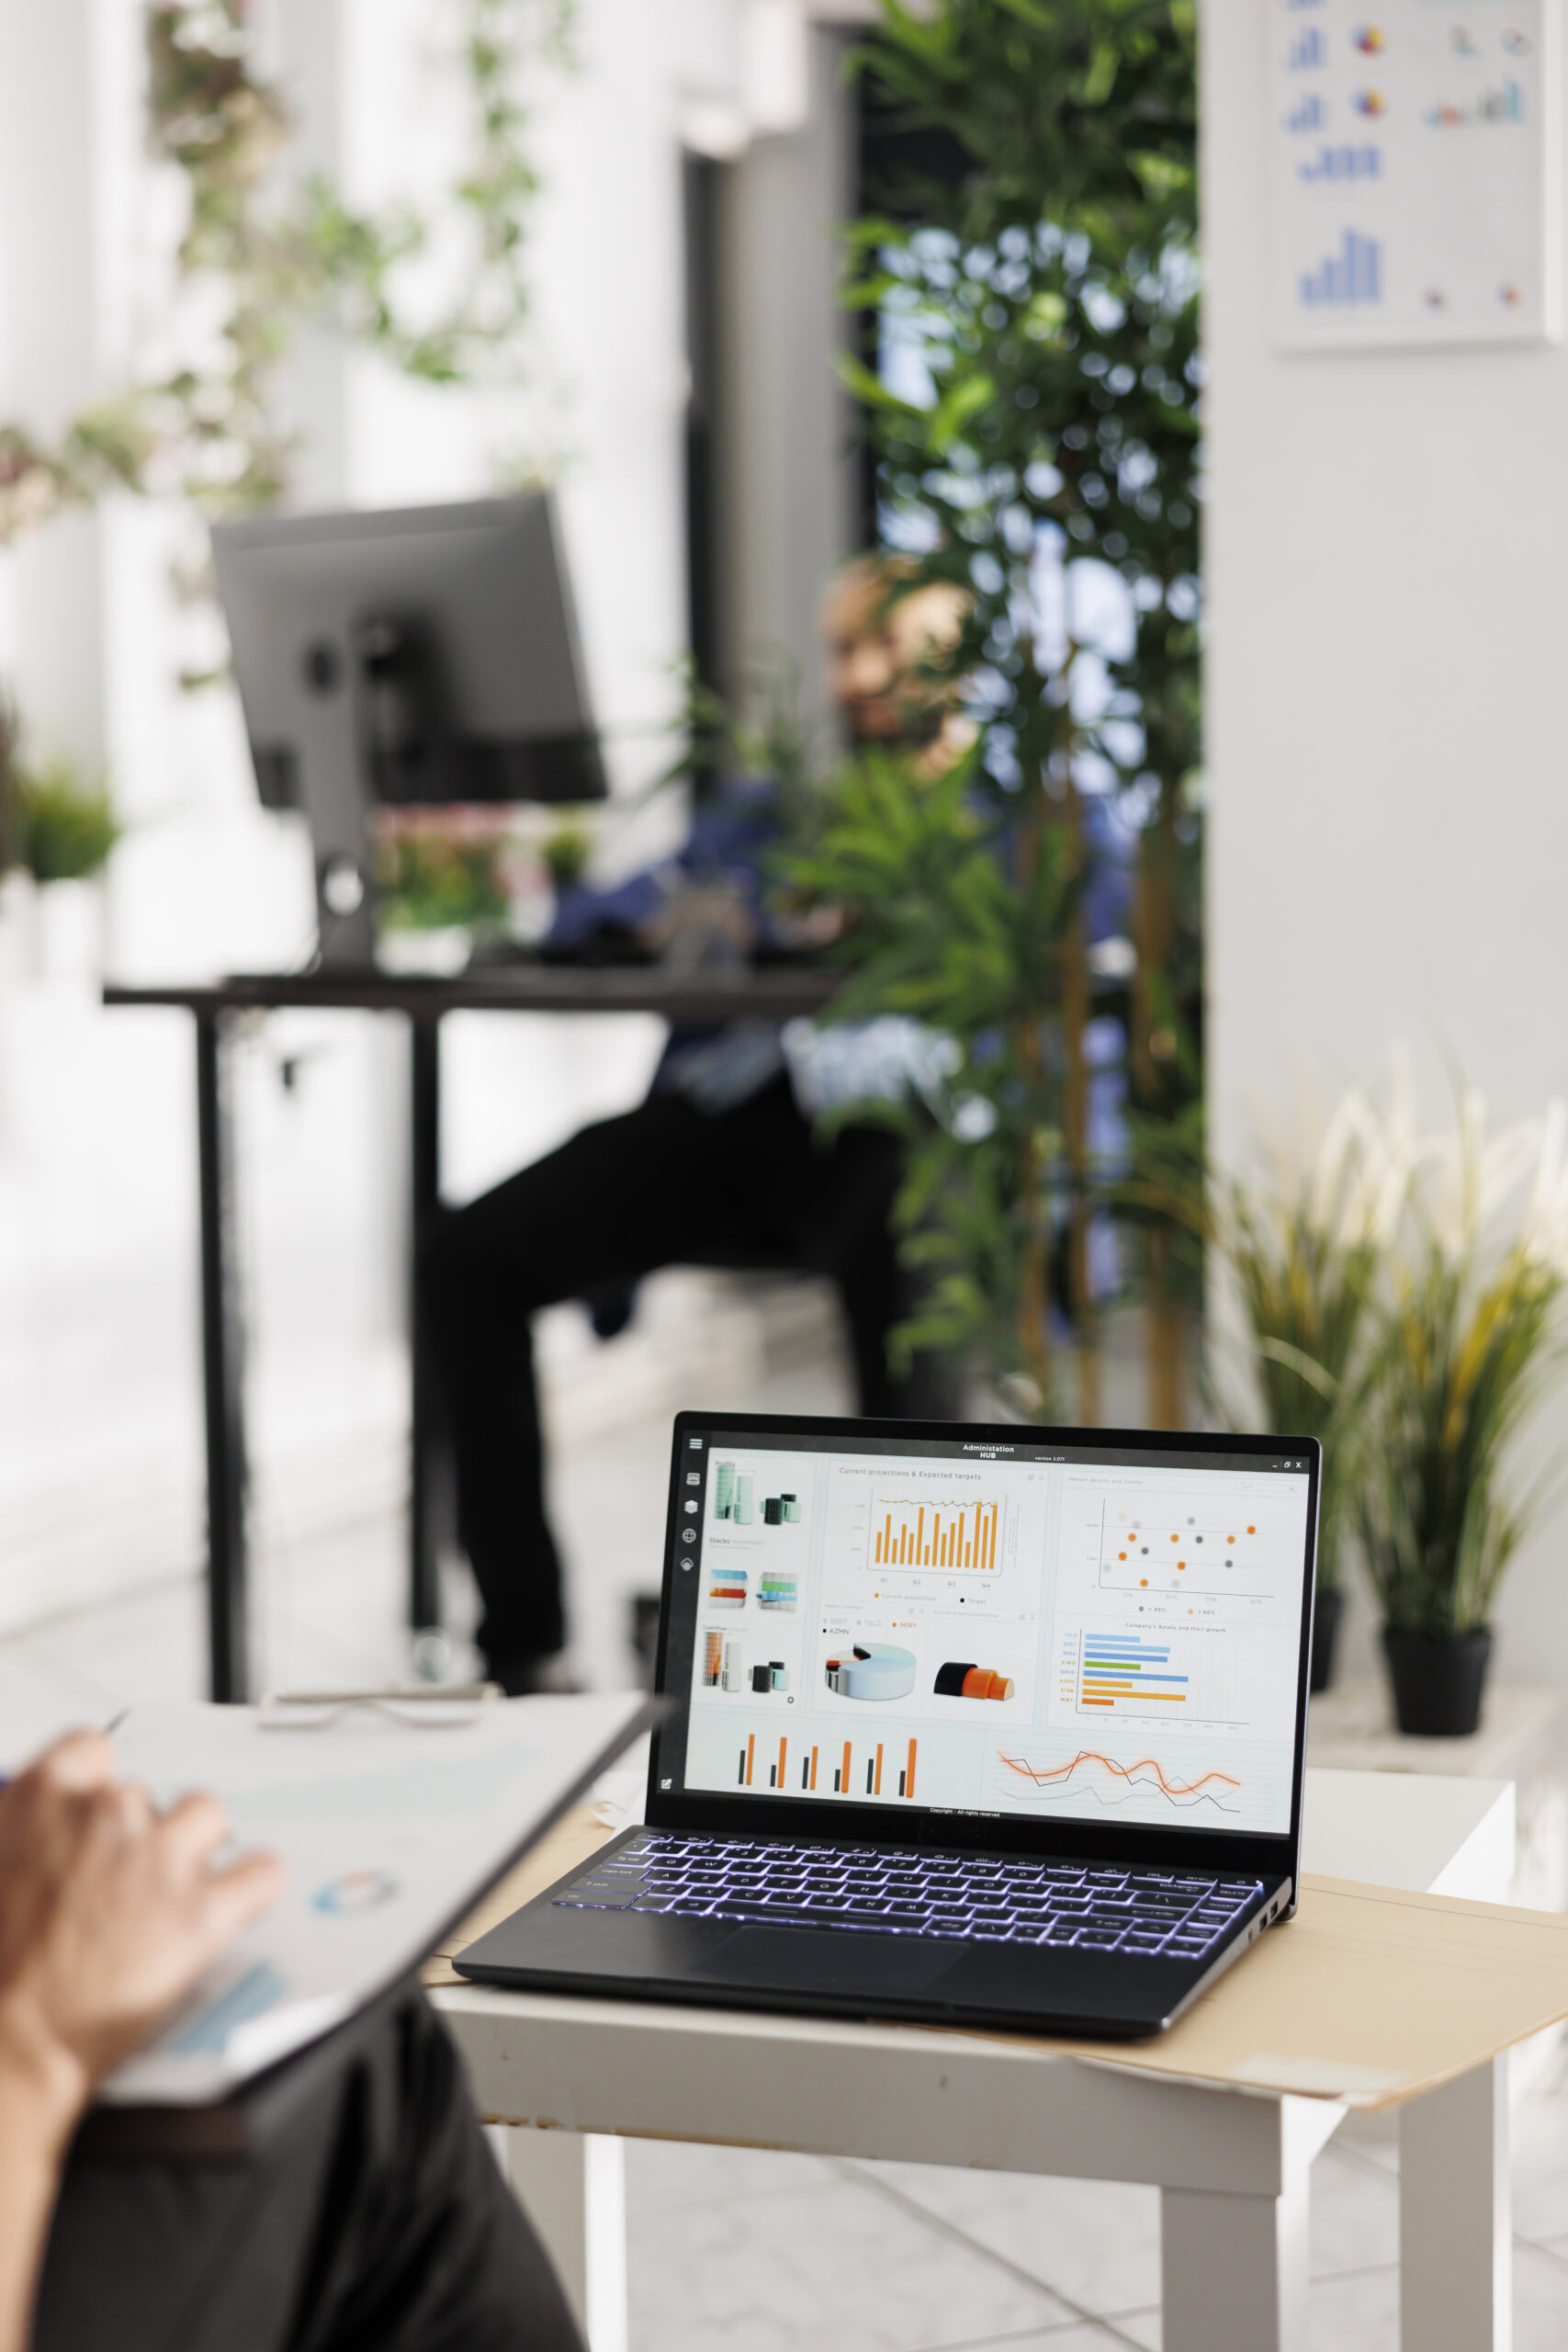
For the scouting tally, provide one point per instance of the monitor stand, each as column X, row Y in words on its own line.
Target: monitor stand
column 334, row 796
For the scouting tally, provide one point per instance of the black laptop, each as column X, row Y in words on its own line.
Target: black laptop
column 979, row 1724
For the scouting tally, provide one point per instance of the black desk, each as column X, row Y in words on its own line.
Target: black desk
column 766, row 994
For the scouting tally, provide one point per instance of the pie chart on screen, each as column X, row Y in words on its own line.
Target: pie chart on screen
column 354, row 1891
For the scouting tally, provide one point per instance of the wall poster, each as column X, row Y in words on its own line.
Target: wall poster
column 1415, row 172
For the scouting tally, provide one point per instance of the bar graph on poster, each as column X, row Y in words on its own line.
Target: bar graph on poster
column 1415, row 172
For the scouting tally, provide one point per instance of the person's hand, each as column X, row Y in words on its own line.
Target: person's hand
column 109, row 1911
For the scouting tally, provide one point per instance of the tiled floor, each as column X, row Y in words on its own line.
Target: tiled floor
column 745, row 2251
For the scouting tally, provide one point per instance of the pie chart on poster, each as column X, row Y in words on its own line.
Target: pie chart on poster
column 354, row 1891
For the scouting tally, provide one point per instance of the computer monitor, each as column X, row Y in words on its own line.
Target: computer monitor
column 417, row 657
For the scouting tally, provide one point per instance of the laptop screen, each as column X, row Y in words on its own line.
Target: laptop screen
column 961, row 1624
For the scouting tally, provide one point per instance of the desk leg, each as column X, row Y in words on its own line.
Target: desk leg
column 424, row 1098
column 1233, row 2270
column 573, row 2190
column 1455, row 2216
column 223, row 1365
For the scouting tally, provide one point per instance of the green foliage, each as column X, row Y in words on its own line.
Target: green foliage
column 1051, row 299
column 1466, row 1353
column 65, row 831
column 10, row 783
column 1306, row 1294
column 566, row 853
column 760, row 734
column 1384, row 1317
column 276, row 261
column 954, row 921
column 433, row 878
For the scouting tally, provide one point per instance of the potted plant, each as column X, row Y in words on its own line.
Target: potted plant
column 1303, row 1251
column 1469, row 1343
column 62, row 830
column 442, row 888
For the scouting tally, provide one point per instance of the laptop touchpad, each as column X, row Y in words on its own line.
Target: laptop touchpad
column 784, row 1957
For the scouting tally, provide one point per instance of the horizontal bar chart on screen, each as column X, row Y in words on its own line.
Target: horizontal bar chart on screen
column 1158, row 1674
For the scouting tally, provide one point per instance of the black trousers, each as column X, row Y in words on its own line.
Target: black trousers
column 665, row 1186
column 374, row 2219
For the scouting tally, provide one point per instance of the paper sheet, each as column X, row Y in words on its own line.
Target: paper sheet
column 388, row 1831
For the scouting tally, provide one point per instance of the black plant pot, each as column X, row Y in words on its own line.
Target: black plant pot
column 1327, row 1609
column 1437, row 1684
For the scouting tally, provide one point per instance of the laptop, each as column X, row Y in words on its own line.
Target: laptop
column 968, row 1724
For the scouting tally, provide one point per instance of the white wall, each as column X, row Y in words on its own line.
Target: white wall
column 1385, row 710
column 99, row 1431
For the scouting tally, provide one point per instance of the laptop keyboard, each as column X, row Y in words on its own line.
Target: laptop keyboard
column 963, row 1898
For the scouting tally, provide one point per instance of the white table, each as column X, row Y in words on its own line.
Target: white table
column 1521, row 1739
column 573, row 2077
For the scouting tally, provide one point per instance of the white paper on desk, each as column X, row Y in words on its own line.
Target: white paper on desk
column 388, row 1831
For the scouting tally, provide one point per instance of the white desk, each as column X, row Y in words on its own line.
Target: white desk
column 573, row 2077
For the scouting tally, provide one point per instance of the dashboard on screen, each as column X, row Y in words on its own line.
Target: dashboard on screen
column 963, row 1627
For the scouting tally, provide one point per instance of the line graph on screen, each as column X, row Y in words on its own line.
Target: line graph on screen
column 1108, row 1781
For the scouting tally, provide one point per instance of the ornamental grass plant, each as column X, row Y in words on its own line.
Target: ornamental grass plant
column 1305, row 1250
column 1471, row 1341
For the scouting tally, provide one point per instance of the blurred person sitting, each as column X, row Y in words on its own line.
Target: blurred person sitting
column 373, row 2214
column 719, row 1168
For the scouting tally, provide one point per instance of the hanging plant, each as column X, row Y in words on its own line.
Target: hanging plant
column 210, row 430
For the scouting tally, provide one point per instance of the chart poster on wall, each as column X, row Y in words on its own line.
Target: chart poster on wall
column 1415, row 172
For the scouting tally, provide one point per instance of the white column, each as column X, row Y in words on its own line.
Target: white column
column 572, row 2187
column 792, row 486
column 1455, row 2241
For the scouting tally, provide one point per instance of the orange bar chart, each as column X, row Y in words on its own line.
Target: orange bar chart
column 862, row 1779
column 964, row 1539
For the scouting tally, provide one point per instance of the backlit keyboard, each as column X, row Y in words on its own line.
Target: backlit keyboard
column 967, row 1898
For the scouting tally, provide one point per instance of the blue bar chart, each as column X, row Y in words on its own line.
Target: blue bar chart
column 1352, row 275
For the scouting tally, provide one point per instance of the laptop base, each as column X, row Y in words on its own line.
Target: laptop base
column 548, row 1947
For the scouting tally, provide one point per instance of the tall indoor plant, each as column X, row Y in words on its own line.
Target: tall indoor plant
column 1470, row 1343
column 1043, row 295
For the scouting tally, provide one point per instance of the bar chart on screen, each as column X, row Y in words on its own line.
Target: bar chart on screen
column 850, row 1767
column 973, row 1534
column 918, row 1534
column 1151, row 1673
